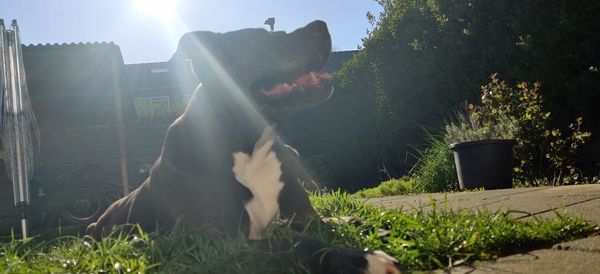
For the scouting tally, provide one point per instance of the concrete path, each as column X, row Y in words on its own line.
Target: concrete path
column 580, row 256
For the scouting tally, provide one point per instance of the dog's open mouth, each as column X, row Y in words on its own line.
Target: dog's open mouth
column 309, row 81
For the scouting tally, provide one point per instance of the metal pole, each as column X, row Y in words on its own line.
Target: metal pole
column 21, row 126
column 3, row 70
column 18, row 120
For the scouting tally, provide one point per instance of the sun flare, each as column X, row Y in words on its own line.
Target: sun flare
column 160, row 9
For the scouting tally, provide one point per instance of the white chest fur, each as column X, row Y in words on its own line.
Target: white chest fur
column 260, row 172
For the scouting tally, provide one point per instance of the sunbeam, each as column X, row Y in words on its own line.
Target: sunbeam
column 164, row 10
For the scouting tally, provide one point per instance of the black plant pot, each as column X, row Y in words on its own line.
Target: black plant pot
column 487, row 164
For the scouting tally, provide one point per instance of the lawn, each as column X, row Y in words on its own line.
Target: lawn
column 419, row 240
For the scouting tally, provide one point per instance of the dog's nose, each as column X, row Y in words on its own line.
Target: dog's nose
column 317, row 26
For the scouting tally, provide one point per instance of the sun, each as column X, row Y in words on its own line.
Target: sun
column 160, row 9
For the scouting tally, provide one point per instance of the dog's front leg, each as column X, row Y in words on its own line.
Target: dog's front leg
column 136, row 208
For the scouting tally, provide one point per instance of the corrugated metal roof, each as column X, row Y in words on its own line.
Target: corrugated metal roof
column 90, row 45
column 72, row 84
column 72, row 67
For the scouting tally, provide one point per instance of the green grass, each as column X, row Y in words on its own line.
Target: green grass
column 404, row 185
column 420, row 240
column 434, row 172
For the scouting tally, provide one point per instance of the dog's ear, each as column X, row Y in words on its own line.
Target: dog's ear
column 194, row 44
column 192, row 50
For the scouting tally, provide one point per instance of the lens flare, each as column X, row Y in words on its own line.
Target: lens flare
column 163, row 10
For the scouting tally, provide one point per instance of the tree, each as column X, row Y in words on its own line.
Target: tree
column 425, row 57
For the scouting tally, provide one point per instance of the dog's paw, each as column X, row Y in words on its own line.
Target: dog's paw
column 378, row 262
column 359, row 262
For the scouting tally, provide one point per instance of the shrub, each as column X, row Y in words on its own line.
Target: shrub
column 471, row 127
column 424, row 57
column 537, row 147
column 563, row 150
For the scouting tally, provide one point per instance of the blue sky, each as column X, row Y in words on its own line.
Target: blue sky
column 147, row 38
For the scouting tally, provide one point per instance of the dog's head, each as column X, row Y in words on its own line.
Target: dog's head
column 277, row 71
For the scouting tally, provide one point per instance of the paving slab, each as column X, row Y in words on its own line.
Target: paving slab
column 588, row 210
column 424, row 200
column 589, row 244
column 537, row 261
column 583, row 200
column 580, row 256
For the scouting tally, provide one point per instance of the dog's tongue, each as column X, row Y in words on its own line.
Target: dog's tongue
column 307, row 80
column 312, row 78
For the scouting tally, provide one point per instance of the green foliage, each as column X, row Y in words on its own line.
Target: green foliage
column 536, row 142
column 563, row 150
column 404, row 185
column 419, row 239
column 468, row 127
column 70, row 254
column 210, row 251
column 425, row 57
column 439, row 237
column 435, row 171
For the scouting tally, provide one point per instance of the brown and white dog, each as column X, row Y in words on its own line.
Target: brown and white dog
column 222, row 164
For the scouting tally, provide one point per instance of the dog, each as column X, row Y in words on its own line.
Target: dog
column 222, row 164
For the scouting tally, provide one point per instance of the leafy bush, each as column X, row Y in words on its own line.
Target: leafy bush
column 425, row 57
column 563, row 151
column 537, row 145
